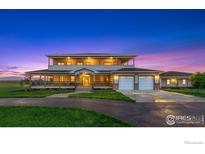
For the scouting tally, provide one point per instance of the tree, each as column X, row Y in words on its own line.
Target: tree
column 24, row 82
column 198, row 80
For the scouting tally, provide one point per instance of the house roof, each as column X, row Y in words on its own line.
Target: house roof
column 174, row 73
column 131, row 70
column 136, row 70
column 46, row 71
column 91, row 55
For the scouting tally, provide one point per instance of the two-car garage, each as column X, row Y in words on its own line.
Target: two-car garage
column 144, row 82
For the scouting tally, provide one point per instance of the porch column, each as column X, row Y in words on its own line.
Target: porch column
column 44, row 80
column 49, row 61
column 133, row 61
column 59, row 80
column 93, row 79
column 30, row 77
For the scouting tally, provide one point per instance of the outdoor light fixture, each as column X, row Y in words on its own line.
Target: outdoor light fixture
column 156, row 78
column 115, row 78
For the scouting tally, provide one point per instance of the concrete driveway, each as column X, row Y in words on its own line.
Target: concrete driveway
column 161, row 96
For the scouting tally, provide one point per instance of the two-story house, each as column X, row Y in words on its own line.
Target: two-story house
column 95, row 70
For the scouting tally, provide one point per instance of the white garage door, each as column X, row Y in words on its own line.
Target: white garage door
column 126, row 83
column 146, row 83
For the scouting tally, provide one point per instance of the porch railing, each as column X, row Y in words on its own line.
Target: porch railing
column 52, row 83
column 66, row 83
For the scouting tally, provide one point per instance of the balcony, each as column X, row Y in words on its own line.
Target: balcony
column 93, row 67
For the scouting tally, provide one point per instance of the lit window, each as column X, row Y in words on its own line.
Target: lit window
column 69, row 63
column 79, row 63
column 72, row 78
column 174, row 81
column 61, row 78
column 60, row 64
column 184, row 81
column 168, row 81
column 107, row 63
column 87, row 63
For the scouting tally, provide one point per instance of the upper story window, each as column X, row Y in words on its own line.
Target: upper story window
column 80, row 63
column 88, row 63
column 69, row 63
column 60, row 64
column 107, row 63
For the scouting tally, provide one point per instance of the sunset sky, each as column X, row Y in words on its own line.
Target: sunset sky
column 162, row 39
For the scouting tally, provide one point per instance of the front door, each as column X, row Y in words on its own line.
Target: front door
column 86, row 80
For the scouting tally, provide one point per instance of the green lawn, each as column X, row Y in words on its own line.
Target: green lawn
column 103, row 94
column 15, row 90
column 25, row 116
column 195, row 92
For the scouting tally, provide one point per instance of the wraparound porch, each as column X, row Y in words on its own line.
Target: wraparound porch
column 54, row 81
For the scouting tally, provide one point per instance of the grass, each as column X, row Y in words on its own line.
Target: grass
column 25, row 116
column 103, row 94
column 189, row 91
column 15, row 90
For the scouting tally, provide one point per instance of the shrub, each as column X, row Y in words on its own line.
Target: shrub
column 198, row 80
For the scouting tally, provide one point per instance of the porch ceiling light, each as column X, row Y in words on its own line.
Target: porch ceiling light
column 156, row 78
column 116, row 77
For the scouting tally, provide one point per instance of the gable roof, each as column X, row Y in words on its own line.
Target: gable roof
column 175, row 73
column 91, row 55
